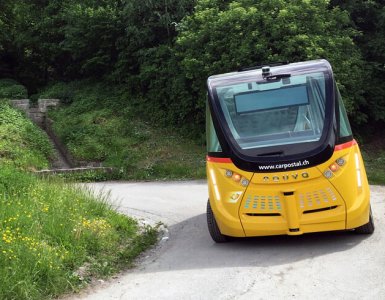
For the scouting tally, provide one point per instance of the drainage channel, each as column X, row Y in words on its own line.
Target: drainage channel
column 62, row 161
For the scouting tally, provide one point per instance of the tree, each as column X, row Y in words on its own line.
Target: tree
column 147, row 25
column 90, row 34
column 7, row 49
column 369, row 18
column 225, row 36
column 26, row 52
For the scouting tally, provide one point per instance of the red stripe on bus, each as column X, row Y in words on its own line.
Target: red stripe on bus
column 219, row 159
column 228, row 160
column 345, row 145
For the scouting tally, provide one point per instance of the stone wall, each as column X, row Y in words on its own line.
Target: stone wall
column 22, row 104
column 44, row 104
column 36, row 114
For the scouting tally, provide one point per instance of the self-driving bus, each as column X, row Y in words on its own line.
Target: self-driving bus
column 281, row 156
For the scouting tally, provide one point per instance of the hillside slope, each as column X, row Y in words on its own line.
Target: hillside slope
column 100, row 123
column 22, row 144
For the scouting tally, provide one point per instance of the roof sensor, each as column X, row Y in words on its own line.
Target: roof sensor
column 265, row 71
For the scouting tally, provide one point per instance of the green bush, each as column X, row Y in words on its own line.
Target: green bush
column 60, row 90
column 10, row 89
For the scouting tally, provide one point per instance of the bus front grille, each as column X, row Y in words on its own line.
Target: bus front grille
column 307, row 201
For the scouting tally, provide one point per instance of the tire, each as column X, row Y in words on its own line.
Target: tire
column 215, row 233
column 367, row 228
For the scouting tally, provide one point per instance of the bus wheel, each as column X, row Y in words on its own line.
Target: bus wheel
column 215, row 233
column 367, row 228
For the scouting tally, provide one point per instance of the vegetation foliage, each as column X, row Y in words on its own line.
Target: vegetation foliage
column 162, row 51
column 11, row 89
column 369, row 18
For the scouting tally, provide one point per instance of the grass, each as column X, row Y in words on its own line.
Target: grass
column 50, row 230
column 100, row 124
column 22, row 144
column 374, row 160
column 54, row 237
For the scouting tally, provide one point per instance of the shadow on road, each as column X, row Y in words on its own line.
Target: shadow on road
column 191, row 247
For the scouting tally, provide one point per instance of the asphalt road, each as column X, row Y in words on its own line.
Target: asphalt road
column 189, row 265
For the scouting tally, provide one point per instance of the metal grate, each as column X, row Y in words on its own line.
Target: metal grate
column 263, row 202
column 307, row 201
column 317, row 198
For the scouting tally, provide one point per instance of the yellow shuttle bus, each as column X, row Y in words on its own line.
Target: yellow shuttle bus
column 281, row 156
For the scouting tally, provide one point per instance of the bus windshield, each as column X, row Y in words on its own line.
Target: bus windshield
column 276, row 112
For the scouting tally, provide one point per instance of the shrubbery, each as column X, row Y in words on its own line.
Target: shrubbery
column 10, row 89
column 60, row 90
